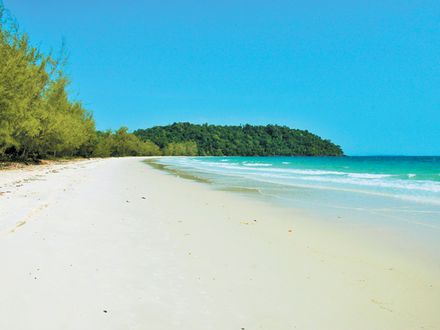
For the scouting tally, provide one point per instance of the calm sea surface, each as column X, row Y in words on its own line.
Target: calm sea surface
column 405, row 189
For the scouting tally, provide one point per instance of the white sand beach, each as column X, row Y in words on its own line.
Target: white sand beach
column 115, row 244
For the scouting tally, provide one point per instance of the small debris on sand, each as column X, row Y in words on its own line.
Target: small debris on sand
column 144, row 197
column 18, row 225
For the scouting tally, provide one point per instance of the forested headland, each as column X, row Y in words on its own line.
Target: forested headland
column 244, row 140
column 39, row 119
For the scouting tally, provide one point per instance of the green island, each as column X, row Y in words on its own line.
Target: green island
column 245, row 140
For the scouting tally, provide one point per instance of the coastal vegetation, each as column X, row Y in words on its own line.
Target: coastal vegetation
column 122, row 143
column 246, row 140
column 39, row 118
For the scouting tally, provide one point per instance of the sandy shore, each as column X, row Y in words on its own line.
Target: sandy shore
column 115, row 244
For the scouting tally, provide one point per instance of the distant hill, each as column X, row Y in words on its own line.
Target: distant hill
column 247, row 140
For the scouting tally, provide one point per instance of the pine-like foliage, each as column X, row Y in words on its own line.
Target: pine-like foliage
column 37, row 117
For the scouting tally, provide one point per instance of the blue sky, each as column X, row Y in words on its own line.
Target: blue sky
column 365, row 74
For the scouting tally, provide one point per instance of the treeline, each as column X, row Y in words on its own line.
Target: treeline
column 38, row 119
column 247, row 140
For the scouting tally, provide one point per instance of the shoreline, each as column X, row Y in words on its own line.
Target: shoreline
column 156, row 251
column 413, row 240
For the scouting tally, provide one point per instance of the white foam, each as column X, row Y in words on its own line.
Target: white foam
column 368, row 175
column 257, row 164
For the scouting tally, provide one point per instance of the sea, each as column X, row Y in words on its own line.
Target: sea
column 388, row 190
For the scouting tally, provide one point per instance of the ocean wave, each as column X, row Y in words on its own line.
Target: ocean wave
column 427, row 186
column 375, row 183
column 368, row 175
column 257, row 164
column 384, row 181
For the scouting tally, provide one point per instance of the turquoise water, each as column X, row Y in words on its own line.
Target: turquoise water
column 403, row 188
